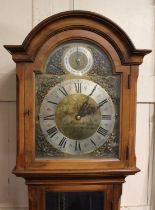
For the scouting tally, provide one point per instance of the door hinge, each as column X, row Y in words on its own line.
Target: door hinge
column 129, row 81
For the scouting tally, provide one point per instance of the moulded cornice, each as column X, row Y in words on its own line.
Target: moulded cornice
column 126, row 50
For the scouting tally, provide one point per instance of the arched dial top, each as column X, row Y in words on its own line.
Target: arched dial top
column 77, row 116
column 78, row 57
column 84, row 19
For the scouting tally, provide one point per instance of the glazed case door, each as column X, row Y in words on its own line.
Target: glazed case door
column 74, row 197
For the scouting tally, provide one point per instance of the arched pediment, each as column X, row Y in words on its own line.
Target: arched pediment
column 84, row 20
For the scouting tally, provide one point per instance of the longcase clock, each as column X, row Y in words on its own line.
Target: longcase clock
column 76, row 111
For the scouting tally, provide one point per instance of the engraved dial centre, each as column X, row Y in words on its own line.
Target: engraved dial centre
column 78, row 60
column 76, row 119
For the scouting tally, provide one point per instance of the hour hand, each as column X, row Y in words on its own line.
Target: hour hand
column 83, row 110
column 86, row 109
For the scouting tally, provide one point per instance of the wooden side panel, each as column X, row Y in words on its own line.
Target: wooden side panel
column 133, row 94
column 20, row 161
column 117, row 196
column 29, row 120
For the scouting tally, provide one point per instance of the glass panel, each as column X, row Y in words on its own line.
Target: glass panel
column 74, row 201
column 77, row 104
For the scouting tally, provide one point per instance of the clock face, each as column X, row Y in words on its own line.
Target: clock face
column 78, row 60
column 77, row 116
column 77, row 103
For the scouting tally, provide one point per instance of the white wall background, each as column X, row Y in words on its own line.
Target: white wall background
column 136, row 17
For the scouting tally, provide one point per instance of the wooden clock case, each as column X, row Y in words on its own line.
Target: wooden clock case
column 75, row 175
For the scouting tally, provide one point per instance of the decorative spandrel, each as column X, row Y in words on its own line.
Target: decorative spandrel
column 77, row 104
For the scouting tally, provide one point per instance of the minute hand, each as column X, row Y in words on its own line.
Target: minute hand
column 85, row 105
column 86, row 108
column 91, row 110
column 102, row 103
column 93, row 91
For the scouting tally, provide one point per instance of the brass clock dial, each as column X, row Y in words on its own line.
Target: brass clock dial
column 77, row 116
column 78, row 60
column 77, row 103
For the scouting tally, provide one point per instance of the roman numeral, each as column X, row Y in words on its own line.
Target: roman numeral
column 63, row 91
column 49, row 117
column 92, row 142
column 52, row 102
column 106, row 117
column 102, row 102
column 102, row 131
column 52, row 131
column 63, row 142
column 93, row 90
column 78, row 87
column 77, row 146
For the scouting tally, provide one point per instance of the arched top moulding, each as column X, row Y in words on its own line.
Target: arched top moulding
column 70, row 20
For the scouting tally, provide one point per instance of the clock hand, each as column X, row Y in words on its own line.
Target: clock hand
column 78, row 59
column 86, row 108
column 82, row 111
column 92, row 110
column 93, row 91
